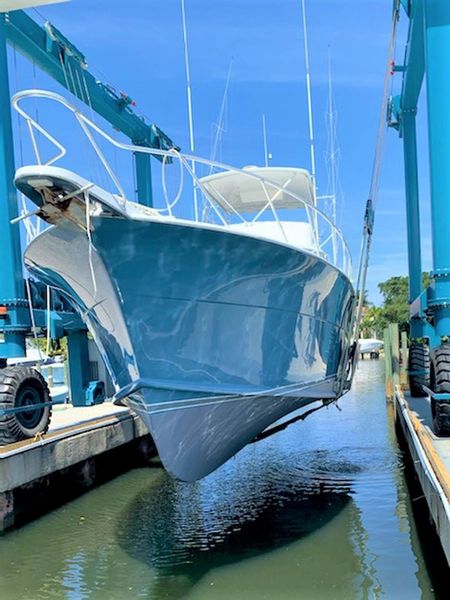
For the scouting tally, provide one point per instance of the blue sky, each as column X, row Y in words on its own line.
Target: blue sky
column 138, row 47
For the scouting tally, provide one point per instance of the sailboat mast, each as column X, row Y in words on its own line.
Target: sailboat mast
column 308, row 92
column 189, row 103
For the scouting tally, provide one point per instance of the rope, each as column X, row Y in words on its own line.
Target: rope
column 171, row 203
column 375, row 179
column 89, row 236
column 33, row 322
column 48, row 320
column 86, row 97
column 31, row 230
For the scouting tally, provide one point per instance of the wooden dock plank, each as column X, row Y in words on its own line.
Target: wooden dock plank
column 426, row 451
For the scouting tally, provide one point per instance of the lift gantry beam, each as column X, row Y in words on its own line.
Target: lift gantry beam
column 50, row 50
column 414, row 62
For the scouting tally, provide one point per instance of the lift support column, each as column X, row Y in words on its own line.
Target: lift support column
column 437, row 52
column 52, row 52
column 11, row 281
column 143, row 178
column 408, row 122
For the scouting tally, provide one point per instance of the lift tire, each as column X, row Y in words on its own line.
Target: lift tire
column 22, row 386
column 419, row 360
column 441, row 418
column 440, row 384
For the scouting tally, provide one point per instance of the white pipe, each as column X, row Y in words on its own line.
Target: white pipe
column 308, row 92
column 310, row 116
column 189, row 102
column 332, row 149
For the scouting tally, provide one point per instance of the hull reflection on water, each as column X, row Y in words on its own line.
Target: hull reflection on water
column 310, row 513
column 185, row 531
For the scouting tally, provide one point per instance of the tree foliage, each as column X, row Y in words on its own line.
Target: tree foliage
column 394, row 309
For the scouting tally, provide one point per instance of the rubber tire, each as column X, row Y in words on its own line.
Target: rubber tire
column 440, row 384
column 418, row 360
column 15, row 381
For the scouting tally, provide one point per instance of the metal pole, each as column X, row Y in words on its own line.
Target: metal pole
column 437, row 53
column 189, row 102
column 12, row 292
column 143, row 178
column 412, row 214
column 266, row 154
column 310, row 116
column 333, row 154
column 309, row 98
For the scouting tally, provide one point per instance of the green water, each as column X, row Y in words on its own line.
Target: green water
column 319, row 511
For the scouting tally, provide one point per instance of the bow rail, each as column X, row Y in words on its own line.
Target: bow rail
column 327, row 240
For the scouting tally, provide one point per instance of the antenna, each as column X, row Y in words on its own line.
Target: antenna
column 310, row 112
column 266, row 154
column 219, row 129
column 332, row 151
column 189, row 103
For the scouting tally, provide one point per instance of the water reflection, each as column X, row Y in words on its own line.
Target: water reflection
column 186, row 530
column 319, row 511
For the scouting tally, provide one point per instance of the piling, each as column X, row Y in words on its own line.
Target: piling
column 395, row 354
column 404, row 359
column 388, row 364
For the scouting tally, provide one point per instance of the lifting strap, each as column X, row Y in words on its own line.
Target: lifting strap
column 369, row 216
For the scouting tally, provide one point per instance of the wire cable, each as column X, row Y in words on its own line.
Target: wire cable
column 375, row 178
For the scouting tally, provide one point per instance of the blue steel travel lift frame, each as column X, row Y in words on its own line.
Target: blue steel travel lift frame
column 427, row 57
column 55, row 55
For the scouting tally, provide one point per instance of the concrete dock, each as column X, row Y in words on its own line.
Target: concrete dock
column 84, row 447
column 431, row 459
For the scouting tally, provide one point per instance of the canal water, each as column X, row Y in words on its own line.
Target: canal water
column 318, row 511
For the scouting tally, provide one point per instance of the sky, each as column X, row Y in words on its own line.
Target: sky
column 138, row 47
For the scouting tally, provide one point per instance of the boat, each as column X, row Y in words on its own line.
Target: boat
column 212, row 328
column 370, row 346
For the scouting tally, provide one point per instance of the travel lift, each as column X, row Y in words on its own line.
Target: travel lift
column 427, row 56
column 25, row 403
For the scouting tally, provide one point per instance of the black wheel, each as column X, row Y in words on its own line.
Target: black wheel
column 418, row 369
column 22, row 387
column 440, row 384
